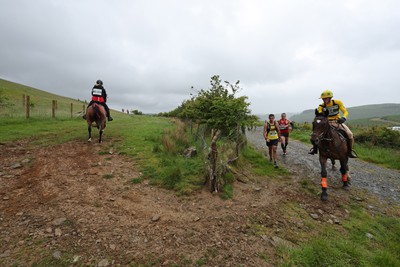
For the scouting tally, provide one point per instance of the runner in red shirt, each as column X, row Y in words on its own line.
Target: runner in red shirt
column 285, row 127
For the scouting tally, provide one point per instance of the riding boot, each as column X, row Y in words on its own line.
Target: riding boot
column 313, row 150
column 108, row 113
column 351, row 152
column 84, row 116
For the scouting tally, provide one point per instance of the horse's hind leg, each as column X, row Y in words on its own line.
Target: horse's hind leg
column 90, row 133
column 324, row 181
column 101, row 130
column 333, row 164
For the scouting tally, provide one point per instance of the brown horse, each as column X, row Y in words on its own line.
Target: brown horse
column 332, row 144
column 96, row 113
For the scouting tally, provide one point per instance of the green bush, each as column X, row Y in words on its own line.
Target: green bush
column 378, row 136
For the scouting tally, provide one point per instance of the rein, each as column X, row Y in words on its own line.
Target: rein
column 325, row 136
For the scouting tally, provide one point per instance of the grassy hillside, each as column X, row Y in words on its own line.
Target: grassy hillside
column 41, row 102
column 360, row 113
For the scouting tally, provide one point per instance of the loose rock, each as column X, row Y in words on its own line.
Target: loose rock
column 59, row 221
column 155, row 218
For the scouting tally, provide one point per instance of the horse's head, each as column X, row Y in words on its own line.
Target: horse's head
column 320, row 126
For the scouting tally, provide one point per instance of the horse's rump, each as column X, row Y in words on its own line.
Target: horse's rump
column 96, row 113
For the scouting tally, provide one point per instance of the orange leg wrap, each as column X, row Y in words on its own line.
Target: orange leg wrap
column 324, row 182
column 344, row 177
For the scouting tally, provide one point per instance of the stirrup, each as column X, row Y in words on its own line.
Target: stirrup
column 352, row 154
column 110, row 118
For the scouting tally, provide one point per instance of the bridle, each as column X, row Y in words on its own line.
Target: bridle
column 324, row 135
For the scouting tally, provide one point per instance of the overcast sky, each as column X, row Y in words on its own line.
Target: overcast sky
column 149, row 53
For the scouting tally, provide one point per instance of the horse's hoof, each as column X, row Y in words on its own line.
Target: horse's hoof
column 324, row 196
column 89, row 140
column 345, row 185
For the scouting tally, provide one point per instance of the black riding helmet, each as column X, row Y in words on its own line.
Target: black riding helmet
column 99, row 82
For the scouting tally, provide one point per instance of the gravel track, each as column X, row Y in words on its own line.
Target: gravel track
column 383, row 182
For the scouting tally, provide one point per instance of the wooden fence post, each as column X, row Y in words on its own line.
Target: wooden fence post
column 23, row 100
column 53, row 109
column 71, row 109
column 28, row 106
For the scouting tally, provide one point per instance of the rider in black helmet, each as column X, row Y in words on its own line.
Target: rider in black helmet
column 99, row 95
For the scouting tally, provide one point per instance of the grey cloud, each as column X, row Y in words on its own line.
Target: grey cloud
column 149, row 53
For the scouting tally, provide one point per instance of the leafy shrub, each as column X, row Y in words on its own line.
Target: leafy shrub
column 379, row 136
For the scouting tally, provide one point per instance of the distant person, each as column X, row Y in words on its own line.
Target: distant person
column 334, row 107
column 272, row 136
column 285, row 126
column 99, row 95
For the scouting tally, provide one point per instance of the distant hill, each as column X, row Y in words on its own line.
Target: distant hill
column 359, row 113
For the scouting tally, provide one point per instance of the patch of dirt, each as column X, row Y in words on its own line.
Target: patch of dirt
column 78, row 205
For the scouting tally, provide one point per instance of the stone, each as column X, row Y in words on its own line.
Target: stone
column 103, row 263
column 16, row 166
column 276, row 241
column 155, row 218
column 76, row 259
column 5, row 254
column 57, row 254
column 57, row 232
column 190, row 152
column 25, row 161
column 369, row 235
column 314, row 216
column 59, row 221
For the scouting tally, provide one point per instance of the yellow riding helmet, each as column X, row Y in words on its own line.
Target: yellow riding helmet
column 326, row 94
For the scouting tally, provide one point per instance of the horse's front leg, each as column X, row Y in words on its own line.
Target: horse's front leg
column 90, row 132
column 324, row 181
column 344, row 171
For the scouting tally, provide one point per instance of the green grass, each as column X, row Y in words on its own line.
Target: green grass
column 260, row 165
column 353, row 247
column 386, row 157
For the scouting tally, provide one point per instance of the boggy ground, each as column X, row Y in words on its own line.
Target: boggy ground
column 76, row 204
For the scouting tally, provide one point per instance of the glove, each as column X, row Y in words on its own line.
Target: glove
column 341, row 120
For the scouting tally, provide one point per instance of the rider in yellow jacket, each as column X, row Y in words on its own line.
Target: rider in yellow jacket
column 335, row 107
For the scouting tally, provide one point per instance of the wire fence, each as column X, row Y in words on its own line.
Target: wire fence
column 35, row 107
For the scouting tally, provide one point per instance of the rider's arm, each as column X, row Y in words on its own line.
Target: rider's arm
column 342, row 108
column 104, row 95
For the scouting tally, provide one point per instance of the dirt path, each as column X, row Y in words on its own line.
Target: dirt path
column 383, row 182
column 76, row 204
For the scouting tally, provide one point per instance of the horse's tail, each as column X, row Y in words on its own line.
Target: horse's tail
column 99, row 113
column 96, row 111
